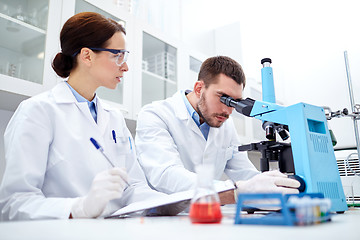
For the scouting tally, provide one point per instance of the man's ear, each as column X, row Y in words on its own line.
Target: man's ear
column 86, row 56
column 198, row 86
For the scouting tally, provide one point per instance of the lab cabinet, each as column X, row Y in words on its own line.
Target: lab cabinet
column 25, row 48
column 194, row 65
column 159, row 64
column 152, row 61
column 30, row 40
column 159, row 67
column 22, row 44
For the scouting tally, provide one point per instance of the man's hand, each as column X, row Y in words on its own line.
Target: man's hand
column 272, row 181
column 227, row 197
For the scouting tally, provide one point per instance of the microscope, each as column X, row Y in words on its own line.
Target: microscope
column 310, row 156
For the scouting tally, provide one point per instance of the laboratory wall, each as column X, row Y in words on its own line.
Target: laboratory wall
column 315, row 74
column 305, row 42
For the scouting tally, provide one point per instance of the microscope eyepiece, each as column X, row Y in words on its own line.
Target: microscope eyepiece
column 264, row 60
column 242, row 106
column 226, row 100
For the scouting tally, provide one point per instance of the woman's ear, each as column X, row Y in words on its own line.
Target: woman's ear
column 86, row 56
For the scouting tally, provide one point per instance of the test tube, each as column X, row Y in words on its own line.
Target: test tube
column 316, row 210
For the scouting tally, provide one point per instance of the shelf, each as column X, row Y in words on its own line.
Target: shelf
column 17, row 33
column 27, row 25
column 159, row 77
column 27, row 64
column 159, row 57
column 155, row 87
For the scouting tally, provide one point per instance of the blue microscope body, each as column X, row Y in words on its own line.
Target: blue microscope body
column 311, row 146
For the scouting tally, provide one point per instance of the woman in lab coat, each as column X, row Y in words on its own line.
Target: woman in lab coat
column 52, row 168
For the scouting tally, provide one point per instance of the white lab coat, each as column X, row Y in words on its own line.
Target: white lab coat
column 170, row 144
column 50, row 160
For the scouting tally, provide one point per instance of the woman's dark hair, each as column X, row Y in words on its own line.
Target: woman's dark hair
column 213, row 66
column 86, row 29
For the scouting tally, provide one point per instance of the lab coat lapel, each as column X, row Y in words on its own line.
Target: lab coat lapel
column 63, row 94
column 213, row 133
column 182, row 113
column 84, row 108
column 102, row 116
column 211, row 147
column 190, row 123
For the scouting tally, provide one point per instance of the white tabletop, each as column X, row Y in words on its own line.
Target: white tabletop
column 343, row 226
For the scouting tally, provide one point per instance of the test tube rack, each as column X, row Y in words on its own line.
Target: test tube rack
column 285, row 215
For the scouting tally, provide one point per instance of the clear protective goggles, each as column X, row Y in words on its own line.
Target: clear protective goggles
column 121, row 55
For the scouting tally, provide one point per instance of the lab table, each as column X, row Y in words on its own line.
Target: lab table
column 343, row 226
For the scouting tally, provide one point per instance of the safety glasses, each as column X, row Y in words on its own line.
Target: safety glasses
column 121, row 55
column 120, row 58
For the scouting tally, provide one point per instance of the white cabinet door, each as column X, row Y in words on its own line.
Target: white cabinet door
column 159, row 69
column 27, row 45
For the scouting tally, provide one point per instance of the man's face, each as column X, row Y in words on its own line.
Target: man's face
column 210, row 108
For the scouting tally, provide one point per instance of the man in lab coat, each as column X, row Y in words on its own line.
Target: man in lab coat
column 193, row 128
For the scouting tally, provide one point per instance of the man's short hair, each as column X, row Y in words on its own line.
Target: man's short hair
column 214, row 66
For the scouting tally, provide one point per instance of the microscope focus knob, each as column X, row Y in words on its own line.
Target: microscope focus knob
column 345, row 111
column 302, row 187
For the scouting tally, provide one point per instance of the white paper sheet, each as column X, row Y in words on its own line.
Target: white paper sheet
column 220, row 186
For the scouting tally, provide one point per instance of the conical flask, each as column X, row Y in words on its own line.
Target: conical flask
column 205, row 205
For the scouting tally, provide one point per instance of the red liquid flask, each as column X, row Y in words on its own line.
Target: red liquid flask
column 205, row 212
column 205, row 205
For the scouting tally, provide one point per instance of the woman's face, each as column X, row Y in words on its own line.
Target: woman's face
column 104, row 69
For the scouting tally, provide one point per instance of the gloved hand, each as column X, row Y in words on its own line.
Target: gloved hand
column 106, row 186
column 272, row 181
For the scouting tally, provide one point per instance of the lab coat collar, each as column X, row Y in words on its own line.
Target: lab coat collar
column 182, row 113
column 62, row 94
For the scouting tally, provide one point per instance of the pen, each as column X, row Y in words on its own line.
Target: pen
column 114, row 135
column 130, row 143
column 98, row 147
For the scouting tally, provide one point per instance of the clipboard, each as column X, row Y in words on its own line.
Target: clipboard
column 220, row 186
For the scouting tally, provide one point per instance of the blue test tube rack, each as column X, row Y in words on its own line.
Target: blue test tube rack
column 286, row 214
